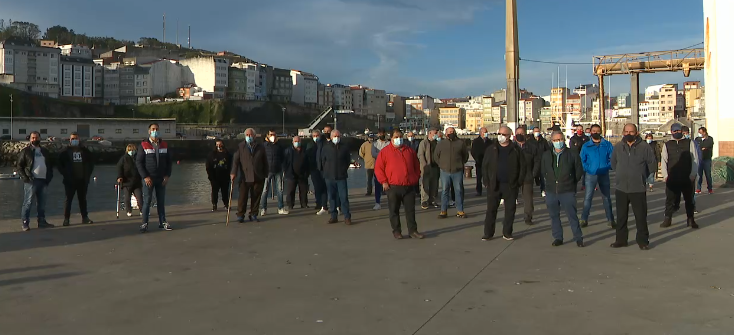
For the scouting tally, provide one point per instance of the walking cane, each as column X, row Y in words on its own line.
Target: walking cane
column 117, row 205
column 229, row 206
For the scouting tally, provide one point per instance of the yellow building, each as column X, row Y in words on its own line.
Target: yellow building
column 452, row 116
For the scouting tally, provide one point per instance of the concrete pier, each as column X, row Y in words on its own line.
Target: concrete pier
column 295, row 274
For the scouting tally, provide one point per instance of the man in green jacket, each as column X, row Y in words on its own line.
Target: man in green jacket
column 451, row 155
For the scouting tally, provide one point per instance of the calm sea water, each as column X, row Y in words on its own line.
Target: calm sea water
column 188, row 186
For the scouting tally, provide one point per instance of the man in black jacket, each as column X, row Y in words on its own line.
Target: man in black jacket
column 577, row 142
column 295, row 171
column 532, row 155
column 543, row 146
column 504, row 173
column 478, row 146
column 154, row 165
column 680, row 164
column 76, row 166
column 706, row 143
column 36, row 170
column 335, row 159
column 274, row 181
column 251, row 162
column 313, row 151
column 562, row 170
column 218, row 167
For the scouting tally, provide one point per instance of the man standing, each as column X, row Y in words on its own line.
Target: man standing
column 154, row 165
column 397, row 169
column 656, row 149
column 317, row 179
column 679, row 161
column 634, row 161
column 478, row 146
column 76, row 166
column 531, row 156
column 295, row 170
column 543, row 146
column 274, row 181
column 36, row 170
column 365, row 151
column 451, row 155
column 327, row 132
column 430, row 173
column 706, row 143
column 596, row 157
column 562, row 169
column 699, row 154
column 335, row 159
column 251, row 161
column 218, row 167
column 381, row 143
column 412, row 142
column 576, row 142
column 504, row 173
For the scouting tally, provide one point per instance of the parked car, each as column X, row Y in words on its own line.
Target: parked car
column 97, row 138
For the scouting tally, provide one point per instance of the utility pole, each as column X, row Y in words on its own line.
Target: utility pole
column 11, row 117
column 512, row 58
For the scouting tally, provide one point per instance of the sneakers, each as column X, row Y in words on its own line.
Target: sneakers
column 339, row 210
column 508, row 238
column 43, row 225
column 711, row 191
column 435, row 205
column 283, row 211
column 542, row 194
column 695, row 211
column 377, row 207
column 165, row 226
column 502, row 202
column 322, row 211
column 443, row 215
column 584, row 223
column 424, row 205
column 66, row 223
column 26, row 226
column 651, row 190
column 143, row 227
column 214, row 208
column 87, row 221
column 698, row 191
column 486, row 238
column 452, row 204
column 461, row 215
column 129, row 214
column 263, row 212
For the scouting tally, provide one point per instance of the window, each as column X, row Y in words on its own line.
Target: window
column 63, row 131
column 6, row 131
column 100, row 131
column 21, row 131
column 168, row 131
column 118, row 131
column 44, row 131
column 135, row 131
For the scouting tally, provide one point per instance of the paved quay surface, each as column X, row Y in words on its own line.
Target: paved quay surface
column 297, row 275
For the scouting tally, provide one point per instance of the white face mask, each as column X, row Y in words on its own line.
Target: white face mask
column 501, row 139
column 271, row 138
column 537, row 134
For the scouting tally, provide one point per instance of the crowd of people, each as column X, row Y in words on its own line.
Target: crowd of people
column 403, row 169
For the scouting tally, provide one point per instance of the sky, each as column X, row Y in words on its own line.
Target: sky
column 436, row 47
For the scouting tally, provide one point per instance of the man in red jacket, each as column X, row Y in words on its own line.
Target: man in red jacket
column 397, row 169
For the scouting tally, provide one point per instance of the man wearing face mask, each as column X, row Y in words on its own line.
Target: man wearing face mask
column 36, row 170
column 335, row 160
column 430, row 173
column 478, row 146
column 451, row 155
column 274, row 181
column 587, row 132
column 154, row 165
column 397, row 169
column 365, row 151
column 413, row 144
column 295, row 169
column 313, row 152
column 76, row 166
column 218, row 167
column 531, row 156
column 633, row 160
column 680, row 164
column 543, row 146
column 706, row 143
column 381, row 143
column 699, row 153
column 655, row 148
column 251, row 162
column 327, row 132
column 576, row 142
column 596, row 157
column 504, row 173
column 562, row 169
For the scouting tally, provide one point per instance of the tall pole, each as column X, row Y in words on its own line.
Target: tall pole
column 602, row 112
column 164, row 27
column 283, row 120
column 512, row 58
column 11, row 117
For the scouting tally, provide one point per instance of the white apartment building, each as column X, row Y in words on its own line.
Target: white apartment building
column 79, row 51
column 342, row 96
column 487, row 103
column 652, row 91
column 111, row 88
column 305, row 88
column 165, row 75
column 421, row 102
column 143, row 85
column 210, row 73
column 529, row 109
column 77, row 78
column 30, row 68
column 358, row 100
column 668, row 101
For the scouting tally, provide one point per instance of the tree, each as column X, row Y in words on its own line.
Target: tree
column 61, row 35
column 24, row 30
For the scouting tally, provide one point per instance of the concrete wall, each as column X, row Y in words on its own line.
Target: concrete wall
column 719, row 76
column 110, row 129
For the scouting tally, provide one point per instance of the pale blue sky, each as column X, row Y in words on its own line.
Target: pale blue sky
column 436, row 47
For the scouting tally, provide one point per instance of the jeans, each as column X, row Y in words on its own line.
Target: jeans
column 78, row 187
column 651, row 179
column 705, row 169
column 370, row 179
column 397, row 196
column 160, row 196
column 378, row 191
column 338, row 197
column 273, row 183
column 638, row 201
column 35, row 188
column 456, row 180
column 567, row 201
column 604, row 186
column 319, row 189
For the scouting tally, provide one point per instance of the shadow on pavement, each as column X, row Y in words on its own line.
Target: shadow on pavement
column 25, row 280
column 27, row 269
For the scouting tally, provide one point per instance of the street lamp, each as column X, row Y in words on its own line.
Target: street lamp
column 283, row 109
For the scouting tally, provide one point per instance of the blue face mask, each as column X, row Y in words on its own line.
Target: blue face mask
column 335, row 140
column 438, row 139
column 131, row 153
column 397, row 141
column 154, row 134
column 296, row 144
column 687, row 136
column 558, row 145
column 74, row 143
column 485, row 135
column 317, row 138
column 248, row 139
column 587, row 134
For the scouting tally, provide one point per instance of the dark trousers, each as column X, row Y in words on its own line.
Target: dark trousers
column 253, row 191
column 220, row 186
column 527, row 201
column 705, row 169
column 397, row 196
column 639, row 208
column 78, row 187
column 540, row 181
column 567, row 201
column 509, row 195
column 290, row 186
column 431, row 176
column 673, row 190
column 319, row 189
column 478, row 169
column 370, row 180
column 138, row 192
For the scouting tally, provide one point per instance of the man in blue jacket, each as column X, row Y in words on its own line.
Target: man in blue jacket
column 596, row 157
column 154, row 165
